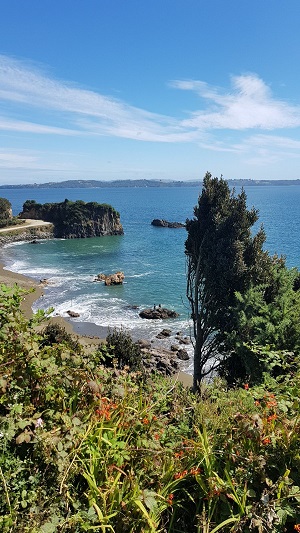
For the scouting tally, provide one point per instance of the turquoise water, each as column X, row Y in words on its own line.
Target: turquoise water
column 151, row 258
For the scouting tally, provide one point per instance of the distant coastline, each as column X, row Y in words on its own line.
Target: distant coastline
column 90, row 184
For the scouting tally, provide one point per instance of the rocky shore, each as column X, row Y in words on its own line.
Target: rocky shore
column 33, row 234
column 156, row 358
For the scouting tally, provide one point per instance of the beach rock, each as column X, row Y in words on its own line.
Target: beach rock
column 73, row 314
column 160, row 223
column 164, row 334
column 157, row 313
column 174, row 347
column 143, row 343
column 184, row 340
column 111, row 279
column 183, row 355
column 159, row 360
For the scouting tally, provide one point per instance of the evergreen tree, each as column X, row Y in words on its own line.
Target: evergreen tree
column 222, row 258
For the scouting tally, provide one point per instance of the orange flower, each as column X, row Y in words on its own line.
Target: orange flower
column 156, row 436
column 180, row 475
column 178, row 454
column 170, row 499
column 195, row 471
column 256, row 402
column 266, row 441
column 271, row 404
column 272, row 417
column 297, row 527
column 246, row 386
column 146, row 421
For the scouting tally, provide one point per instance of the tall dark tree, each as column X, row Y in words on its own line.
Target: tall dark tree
column 222, row 258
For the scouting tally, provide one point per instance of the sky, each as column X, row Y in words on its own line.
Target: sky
column 149, row 89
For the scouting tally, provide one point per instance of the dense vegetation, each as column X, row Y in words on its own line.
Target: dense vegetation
column 76, row 219
column 86, row 447
column 240, row 296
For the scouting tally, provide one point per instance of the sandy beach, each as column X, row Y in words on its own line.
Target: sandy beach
column 88, row 340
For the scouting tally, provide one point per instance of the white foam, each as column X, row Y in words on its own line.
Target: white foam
column 139, row 275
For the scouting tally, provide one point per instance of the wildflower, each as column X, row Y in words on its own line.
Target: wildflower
column 156, row 436
column 266, row 441
column 39, row 423
column 170, row 499
column 195, row 471
column 256, row 402
column 146, row 421
column 246, row 386
column 178, row 455
column 297, row 527
column 180, row 475
column 272, row 417
column 271, row 404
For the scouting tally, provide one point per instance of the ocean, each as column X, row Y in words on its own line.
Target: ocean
column 151, row 258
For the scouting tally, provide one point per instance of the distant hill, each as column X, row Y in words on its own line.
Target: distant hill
column 90, row 184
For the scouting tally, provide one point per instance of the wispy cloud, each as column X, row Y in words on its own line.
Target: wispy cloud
column 249, row 105
column 60, row 108
column 90, row 111
column 31, row 127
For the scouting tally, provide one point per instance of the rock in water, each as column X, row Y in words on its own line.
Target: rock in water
column 158, row 313
column 111, row 279
column 160, row 223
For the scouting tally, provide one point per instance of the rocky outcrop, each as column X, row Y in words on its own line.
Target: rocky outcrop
column 165, row 333
column 158, row 313
column 160, row 223
column 111, row 279
column 78, row 219
column 160, row 360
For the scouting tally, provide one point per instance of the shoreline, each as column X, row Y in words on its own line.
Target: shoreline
column 87, row 338
column 90, row 335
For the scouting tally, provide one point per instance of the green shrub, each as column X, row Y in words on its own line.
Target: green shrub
column 82, row 450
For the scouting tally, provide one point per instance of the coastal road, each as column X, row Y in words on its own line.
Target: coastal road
column 29, row 223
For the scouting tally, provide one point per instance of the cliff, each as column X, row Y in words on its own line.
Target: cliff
column 72, row 220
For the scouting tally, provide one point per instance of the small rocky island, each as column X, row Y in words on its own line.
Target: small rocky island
column 161, row 223
column 73, row 220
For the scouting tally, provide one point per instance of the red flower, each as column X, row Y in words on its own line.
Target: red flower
column 266, row 441
column 246, row 386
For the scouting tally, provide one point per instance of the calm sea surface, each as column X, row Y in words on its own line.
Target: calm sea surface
column 151, row 258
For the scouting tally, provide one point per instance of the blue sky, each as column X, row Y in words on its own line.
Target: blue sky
column 162, row 89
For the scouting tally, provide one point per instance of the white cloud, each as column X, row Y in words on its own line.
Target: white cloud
column 60, row 108
column 30, row 127
column 249, row 105
column 93, row 112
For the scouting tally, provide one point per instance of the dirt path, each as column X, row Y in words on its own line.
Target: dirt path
column 29, row 223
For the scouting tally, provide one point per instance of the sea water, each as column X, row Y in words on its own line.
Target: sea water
column 151, row 258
